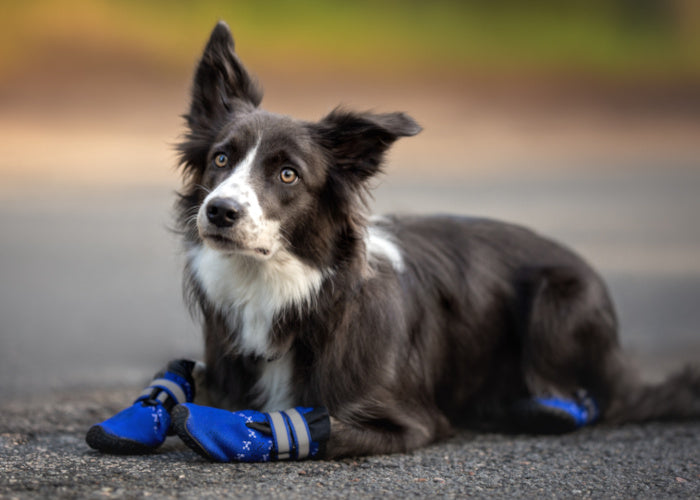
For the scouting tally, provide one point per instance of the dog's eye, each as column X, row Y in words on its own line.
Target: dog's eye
column 288, row 175
column 221, row 160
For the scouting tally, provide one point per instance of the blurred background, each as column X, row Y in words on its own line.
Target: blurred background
column 580, row 119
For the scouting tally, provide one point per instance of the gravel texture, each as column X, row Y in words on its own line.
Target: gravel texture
column 43, row 454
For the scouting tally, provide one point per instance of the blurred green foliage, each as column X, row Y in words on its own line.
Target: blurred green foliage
column 607, row 38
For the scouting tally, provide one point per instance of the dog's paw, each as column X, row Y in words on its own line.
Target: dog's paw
column 138, row 429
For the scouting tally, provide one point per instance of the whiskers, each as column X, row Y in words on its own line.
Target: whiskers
column 285, row 237
column 188, row 215
column 202, row 187
column 191, row 217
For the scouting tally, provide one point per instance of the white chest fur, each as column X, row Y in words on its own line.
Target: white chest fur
column 274, row 387
column 249, row 292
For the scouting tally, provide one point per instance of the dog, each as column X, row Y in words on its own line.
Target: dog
column 402, row 327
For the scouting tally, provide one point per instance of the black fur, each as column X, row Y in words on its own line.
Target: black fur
column 482, row 314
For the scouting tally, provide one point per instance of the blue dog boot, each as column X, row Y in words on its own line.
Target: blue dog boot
column 252, row 436
column 143, row 426
column 555, row 415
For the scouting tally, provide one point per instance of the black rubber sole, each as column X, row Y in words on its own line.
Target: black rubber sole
column 179, row 417
column 98, row 439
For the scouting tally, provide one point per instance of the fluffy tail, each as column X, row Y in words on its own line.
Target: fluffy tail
column 632, row 400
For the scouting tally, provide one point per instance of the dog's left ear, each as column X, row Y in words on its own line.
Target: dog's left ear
column 220, row 79
column 357, row 142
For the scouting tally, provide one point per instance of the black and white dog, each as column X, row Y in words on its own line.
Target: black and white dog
column 402, row 327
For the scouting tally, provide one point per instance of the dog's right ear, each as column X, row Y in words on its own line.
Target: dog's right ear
column 220, row 79
column 357, row 142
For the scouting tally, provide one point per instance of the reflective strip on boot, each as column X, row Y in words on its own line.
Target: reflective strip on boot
column 300, row 431
column 172, row 388
column 281, row 435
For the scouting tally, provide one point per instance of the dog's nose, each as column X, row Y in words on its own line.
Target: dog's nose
column 222, row 212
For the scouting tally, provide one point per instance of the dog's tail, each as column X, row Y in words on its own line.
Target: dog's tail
column 633, row 400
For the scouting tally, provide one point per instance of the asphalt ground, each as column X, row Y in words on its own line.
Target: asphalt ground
column 43, row 455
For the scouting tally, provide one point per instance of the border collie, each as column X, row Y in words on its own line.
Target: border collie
column 403, row 327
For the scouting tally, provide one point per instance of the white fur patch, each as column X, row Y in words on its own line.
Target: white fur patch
column 249, row 291
column 256, row 230
column 380, row 244
column 274, row 385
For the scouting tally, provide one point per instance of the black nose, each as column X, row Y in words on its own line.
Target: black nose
column 222, row 212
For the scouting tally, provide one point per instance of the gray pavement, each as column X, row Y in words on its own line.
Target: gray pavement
column 90, row 307
column 42, row 454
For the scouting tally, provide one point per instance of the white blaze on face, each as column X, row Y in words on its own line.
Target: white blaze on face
column 254, row 230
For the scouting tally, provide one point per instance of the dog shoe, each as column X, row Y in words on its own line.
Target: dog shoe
column 143, row 427
column 555, row 415
column 252, row 436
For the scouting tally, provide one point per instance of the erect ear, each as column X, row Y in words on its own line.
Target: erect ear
column 219, row 80
column 357, row 142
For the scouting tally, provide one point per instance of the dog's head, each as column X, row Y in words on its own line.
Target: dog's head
column 258, row 182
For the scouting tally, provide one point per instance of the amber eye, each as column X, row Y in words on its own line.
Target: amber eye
column 221, row 160
column 288, row 175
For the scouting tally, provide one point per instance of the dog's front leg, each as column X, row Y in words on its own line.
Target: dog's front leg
column 202, row 393
column 298, row 433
